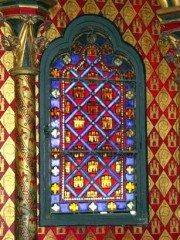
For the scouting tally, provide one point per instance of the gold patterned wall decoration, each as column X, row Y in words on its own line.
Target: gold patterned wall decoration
column 52, row 33
column 72, row 8
column 150, row 154
column 163, row 70
column 149, row 98
column 128, row 37
column 8, row 236
column 163, row 47
column 128, row 12
column 164, row 184
column 61, row 19
column 177, row 212
column 128, row 235
column 90, row 7
column 164, row 213
column 146, row 42
column 149, row 126
column 54, row 10
column 151, row 183
column 118, row 230
column 2, row 72
column 7, row 60
column 90, row 236
column 2, row 133
column 147, row 236
column 172, row 86
column 110, row 236
column 109, row 10
column 71, row 235
column 8, row 150
column 50, row 235
column 163, row 127
column 176, row 158
column 165, row 235
column 2, row 195
column 119, row 23
column 163, row 98
column 151, row 214
column 7, row 90
column 8, row 120
column 7, row 181
column 137, row 230
column 146, row 13
column 2, row 170
column 8, row 212
column 149, row 68
column 163, row 155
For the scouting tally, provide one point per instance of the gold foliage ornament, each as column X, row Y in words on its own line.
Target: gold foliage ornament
column 173, row 55
column 10, row 43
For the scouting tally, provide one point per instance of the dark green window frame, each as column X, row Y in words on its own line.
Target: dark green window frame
column 95, row 24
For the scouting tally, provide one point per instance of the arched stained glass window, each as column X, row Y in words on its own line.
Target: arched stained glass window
column 93, row 135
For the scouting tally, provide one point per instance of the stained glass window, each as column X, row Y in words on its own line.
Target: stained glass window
column 92, row 128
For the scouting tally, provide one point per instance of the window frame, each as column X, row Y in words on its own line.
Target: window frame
column 97, row 23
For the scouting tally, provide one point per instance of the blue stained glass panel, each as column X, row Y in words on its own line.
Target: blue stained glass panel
column 92, row 128
column 91, row 108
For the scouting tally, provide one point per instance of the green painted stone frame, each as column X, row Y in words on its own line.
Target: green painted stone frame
column 97, row 23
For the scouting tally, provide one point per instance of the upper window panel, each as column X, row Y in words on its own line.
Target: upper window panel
column 93, row 151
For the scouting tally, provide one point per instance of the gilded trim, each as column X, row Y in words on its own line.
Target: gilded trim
column 167, row 3
column 19, row 16
column 24, row 6
column 169, row 21
column 169, row 14
column 23, row 70
column 168, row 10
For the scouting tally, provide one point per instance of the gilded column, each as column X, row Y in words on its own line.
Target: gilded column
column 24, row 43
column 24, row 73
column 25, row 159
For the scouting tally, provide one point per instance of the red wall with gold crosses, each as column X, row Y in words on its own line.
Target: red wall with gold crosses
column 138, row 23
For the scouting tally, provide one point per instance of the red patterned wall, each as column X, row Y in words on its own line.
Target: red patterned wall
column 138, row 23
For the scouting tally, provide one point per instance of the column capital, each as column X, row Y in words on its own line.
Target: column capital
column 21, row 20
column 22, row 38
